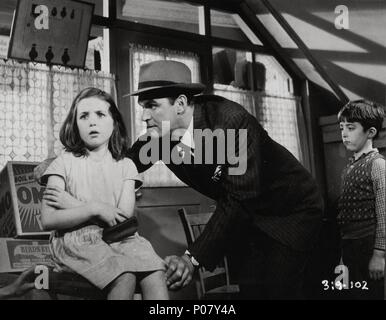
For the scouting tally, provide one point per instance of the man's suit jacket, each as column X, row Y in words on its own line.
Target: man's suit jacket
column 276, row 194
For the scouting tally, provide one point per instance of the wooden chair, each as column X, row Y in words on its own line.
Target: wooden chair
column 209, row 285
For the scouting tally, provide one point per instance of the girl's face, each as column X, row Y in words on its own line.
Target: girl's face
column 353, row 135
column 94, row 122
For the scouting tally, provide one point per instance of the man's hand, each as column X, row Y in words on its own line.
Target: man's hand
column 24, row 283
column 179, row 273
column 377, row 265
column 60, row 199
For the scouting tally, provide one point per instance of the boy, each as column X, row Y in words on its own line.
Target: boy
column 362, row 202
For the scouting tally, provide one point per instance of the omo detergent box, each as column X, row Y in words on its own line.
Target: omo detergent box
column 20, row 254
column 20, row 201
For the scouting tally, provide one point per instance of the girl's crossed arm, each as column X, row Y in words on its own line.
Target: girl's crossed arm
column 127, row 199
column 55, row 218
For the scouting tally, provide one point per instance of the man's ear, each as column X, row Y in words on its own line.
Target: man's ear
column 181, row 103
column 371, row 132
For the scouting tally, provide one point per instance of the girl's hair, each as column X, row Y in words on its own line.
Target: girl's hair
column 69, row 132
column 367, row 113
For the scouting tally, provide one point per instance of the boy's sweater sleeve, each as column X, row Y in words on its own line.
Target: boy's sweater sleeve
column 378, row 175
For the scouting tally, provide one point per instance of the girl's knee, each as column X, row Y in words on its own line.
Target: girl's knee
column 126, row 277
column 160, row 275
column 123, row 279
column 122, row 287
column 153, row 286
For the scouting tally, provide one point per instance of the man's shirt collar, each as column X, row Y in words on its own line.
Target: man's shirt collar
column 187, row 138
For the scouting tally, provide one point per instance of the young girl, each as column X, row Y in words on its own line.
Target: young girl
column 94, row 171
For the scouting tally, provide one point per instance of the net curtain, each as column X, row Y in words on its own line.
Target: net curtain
column 34, row 100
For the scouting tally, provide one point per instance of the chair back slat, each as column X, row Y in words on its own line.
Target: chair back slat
column 199, row 219
column 209, row 281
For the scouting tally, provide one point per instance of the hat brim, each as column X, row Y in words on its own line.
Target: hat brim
column 193, row 88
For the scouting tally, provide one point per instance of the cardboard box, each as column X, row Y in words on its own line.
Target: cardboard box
column 20, row 201
column 19, row 254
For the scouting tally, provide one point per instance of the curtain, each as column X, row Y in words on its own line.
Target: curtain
column 158, row 175
column 243, row 97
column 278, row 115
column 276, row 107
column 34, row 100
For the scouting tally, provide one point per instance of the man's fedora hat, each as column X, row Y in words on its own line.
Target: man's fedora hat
column 164, row 77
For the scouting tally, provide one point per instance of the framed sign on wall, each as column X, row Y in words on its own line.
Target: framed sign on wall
column 51, row 31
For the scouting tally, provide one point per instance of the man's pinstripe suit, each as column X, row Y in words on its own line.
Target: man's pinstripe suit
column 276, row 198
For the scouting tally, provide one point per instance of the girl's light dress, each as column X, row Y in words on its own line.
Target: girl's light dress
column 82, row 250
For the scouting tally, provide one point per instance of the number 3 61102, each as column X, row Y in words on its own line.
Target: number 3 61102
column 342, row 281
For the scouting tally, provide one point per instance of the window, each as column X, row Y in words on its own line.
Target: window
column 231, row 27
column 97, row 57
column 279, row 116
column 161, row 13
column 232, row 68
column 33, row 104
column 266, row 92
column 277, row 80
column 278, row 107
column 232, row 76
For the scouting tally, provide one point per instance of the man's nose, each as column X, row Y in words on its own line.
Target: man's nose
column 145, row 114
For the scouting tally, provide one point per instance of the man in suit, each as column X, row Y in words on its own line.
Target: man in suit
column 269, row 209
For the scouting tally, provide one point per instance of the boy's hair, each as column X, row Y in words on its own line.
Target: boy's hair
column 69, row 132
column 367, row 113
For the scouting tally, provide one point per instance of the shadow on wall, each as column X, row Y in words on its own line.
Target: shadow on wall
column 373, row 53
column 364, row 87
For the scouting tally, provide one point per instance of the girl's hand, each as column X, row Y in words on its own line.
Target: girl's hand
column 24, row 283
column 60, row 199
column 377, row 265
column 108, row 214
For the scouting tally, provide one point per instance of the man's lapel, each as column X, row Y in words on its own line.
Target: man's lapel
column 201, row 122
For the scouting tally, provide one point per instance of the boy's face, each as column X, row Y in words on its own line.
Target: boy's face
column 354, row 136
